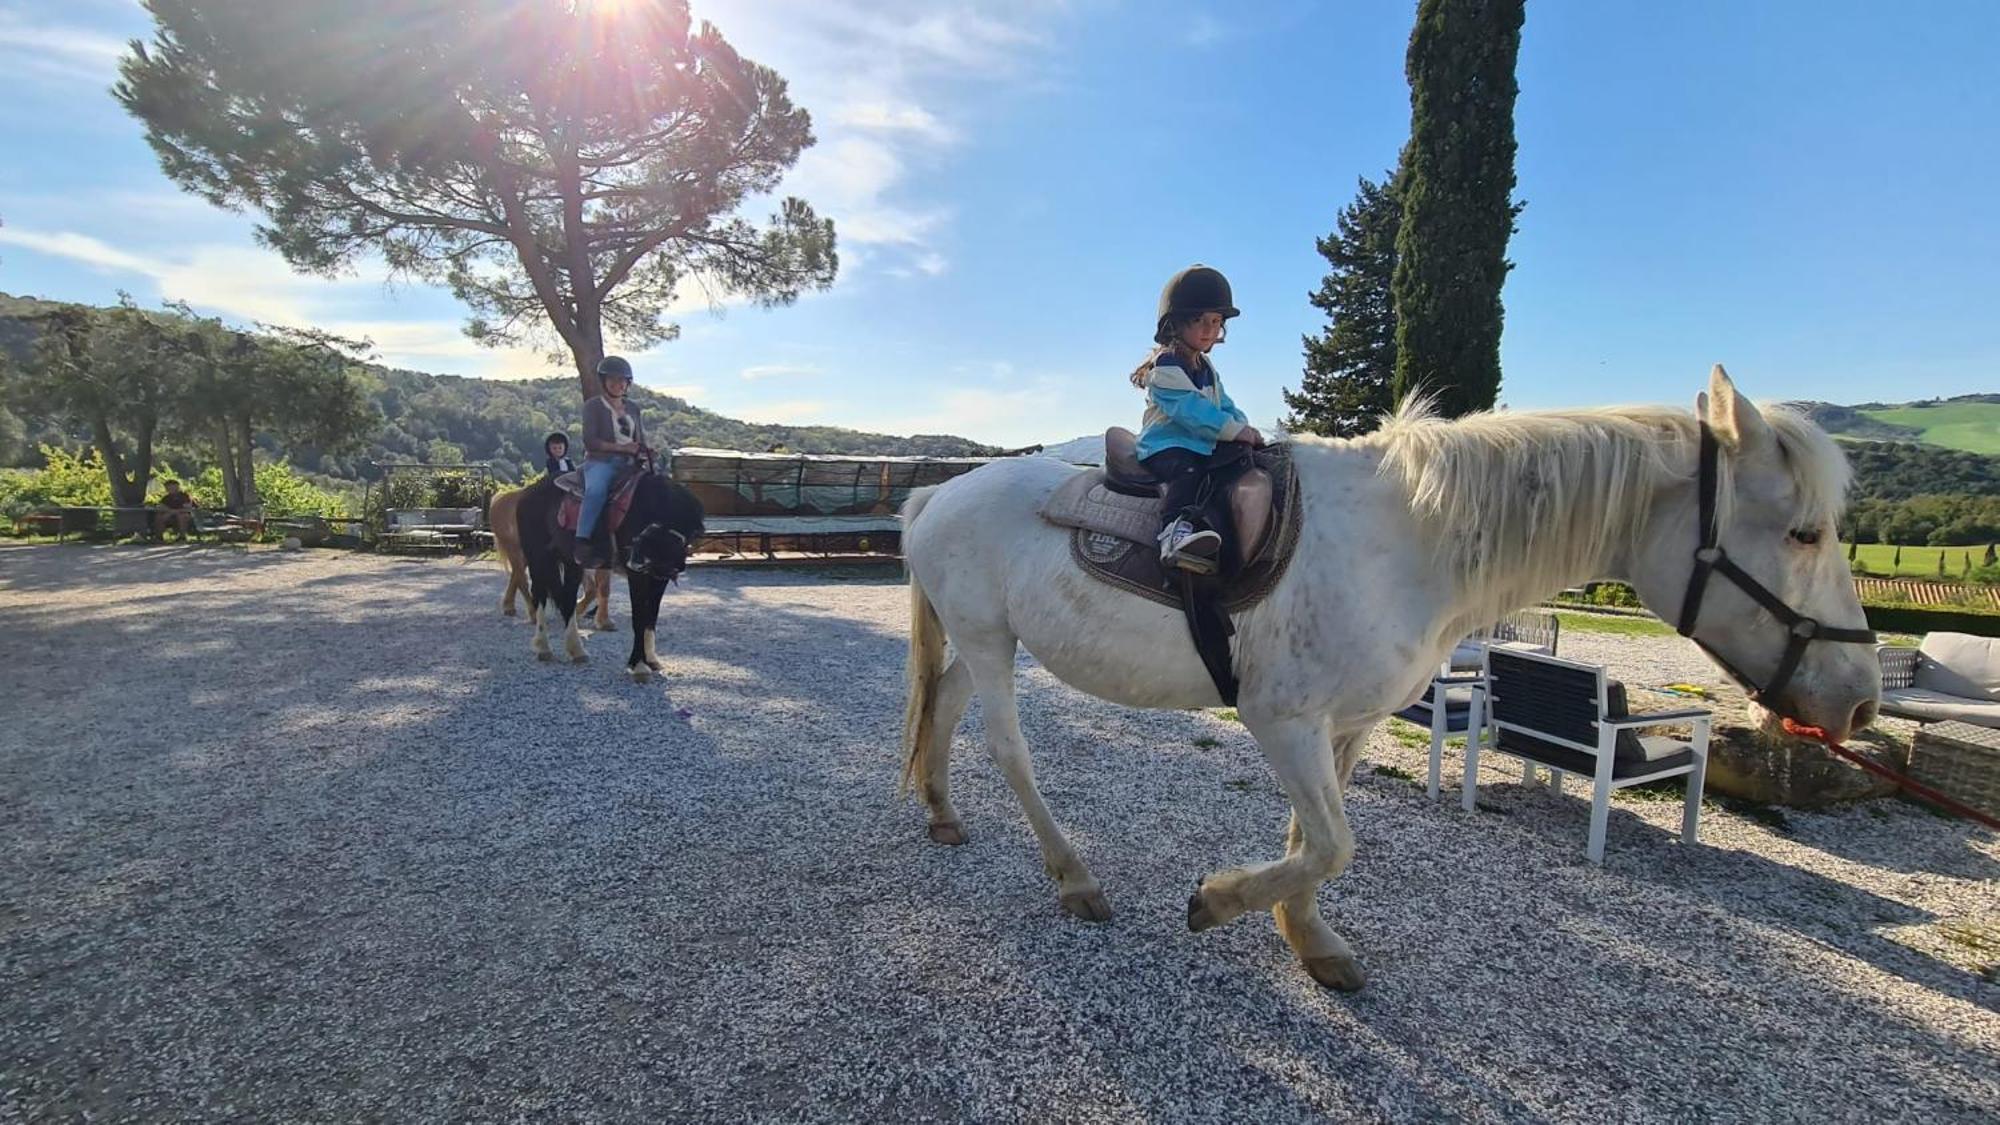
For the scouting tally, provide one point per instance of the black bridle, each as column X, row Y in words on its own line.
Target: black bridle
column 1709, row 557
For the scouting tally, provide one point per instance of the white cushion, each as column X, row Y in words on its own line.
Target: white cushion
column 1936, row 706
column 1960, row 664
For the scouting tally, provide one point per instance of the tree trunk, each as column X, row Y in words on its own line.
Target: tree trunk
column 232, row 488
column 586, row 362
column 247, row 468
column 588, row 334
column 123, row 494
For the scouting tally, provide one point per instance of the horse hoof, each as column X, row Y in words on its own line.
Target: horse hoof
column 508, row 612
column 579, row 658
column 1087, row 905
column 640, row 673
column 657, row 667
column 1342, row 974
column 948, row 832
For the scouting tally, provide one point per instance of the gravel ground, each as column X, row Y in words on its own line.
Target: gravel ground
column 312, row 836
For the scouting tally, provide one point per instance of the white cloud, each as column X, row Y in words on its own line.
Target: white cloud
column 54, row 50
column 80, row 248
column 894, row 118
column 678, row 390
column 777, row 370
column 786, row 412
column 1203, row 30
column 244, row 284
column 891, row 114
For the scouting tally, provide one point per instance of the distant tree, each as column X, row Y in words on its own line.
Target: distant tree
column 567, row 168
column 293, row 385
column 1457, row 197
column 1351, row 365
column 115, row 373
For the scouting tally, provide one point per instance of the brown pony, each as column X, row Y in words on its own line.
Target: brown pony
column 503, row 518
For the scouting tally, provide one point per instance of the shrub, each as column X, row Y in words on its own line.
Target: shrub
column 1931, row 619
column 65, row 480
column 1614, row 594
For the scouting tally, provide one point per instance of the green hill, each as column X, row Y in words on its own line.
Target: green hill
column 1970, row 423
column 443, row 419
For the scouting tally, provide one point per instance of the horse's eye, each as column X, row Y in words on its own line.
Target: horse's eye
column 1805, row 535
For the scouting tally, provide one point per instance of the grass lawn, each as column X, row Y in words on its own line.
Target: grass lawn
column 1971, row 426
column 1918, row 562
column 1605, row 623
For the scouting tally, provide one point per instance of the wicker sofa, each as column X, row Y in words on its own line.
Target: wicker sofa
column 1950, row 676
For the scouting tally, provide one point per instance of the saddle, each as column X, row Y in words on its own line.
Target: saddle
column 623, row 487
column 1116, row 517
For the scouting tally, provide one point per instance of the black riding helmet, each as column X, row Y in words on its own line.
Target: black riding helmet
column 1191, row 292
column 614, row 365
column 553, row 438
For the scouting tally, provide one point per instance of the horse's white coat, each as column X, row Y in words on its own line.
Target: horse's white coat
column 1409, row 539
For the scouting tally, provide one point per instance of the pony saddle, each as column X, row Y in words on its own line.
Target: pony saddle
column 623, row 487
column 1116, row 516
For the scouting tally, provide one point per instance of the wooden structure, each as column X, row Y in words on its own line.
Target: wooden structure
column 819, row 504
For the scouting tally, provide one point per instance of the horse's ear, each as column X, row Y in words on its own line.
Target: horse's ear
column 1735, row 419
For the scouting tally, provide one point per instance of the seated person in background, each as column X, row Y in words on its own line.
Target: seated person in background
column 176, row 508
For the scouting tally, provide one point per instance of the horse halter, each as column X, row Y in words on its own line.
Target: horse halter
column 676, row 533
column 1709, row 558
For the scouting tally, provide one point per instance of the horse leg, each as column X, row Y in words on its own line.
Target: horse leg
column 539, row 591
column 566, row 605
column 601, row 587
column 514, row 583
column 1307, row 764
column 992, row 674
column 652, row 624
column 933, row 765
column 641, row 664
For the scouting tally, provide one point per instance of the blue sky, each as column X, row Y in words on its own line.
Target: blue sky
column 1799, row 190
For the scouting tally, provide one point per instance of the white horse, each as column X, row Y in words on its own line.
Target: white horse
column 1411, row 538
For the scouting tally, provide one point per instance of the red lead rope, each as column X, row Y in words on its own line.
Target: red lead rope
column 1920, row 790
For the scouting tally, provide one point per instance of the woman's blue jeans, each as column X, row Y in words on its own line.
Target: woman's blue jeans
column 596, row 490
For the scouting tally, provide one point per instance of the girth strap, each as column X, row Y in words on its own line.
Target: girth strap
column 1211, row 630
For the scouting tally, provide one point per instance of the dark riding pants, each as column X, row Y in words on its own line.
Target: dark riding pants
column 1183, row 473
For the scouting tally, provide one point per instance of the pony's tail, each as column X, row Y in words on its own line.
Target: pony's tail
column 925, row 666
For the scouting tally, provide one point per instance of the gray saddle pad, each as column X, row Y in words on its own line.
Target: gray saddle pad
column 1115, row 536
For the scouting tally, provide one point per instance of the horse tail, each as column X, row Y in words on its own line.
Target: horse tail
column 925, row 667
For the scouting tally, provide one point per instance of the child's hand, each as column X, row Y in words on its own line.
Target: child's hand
column 1249, row 435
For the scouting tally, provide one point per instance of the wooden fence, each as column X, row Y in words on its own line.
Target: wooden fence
column 1924, row 593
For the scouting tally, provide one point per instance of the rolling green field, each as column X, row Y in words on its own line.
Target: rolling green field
column 1918, row 562
column 1970, row 426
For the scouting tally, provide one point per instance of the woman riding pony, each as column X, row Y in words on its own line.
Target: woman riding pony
column 613, row 441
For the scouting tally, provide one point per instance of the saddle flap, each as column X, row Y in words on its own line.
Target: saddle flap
column 1250, row 504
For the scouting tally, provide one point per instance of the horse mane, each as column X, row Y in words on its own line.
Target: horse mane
column 1523, row 503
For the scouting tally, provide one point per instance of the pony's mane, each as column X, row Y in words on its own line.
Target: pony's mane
column 1523, row 503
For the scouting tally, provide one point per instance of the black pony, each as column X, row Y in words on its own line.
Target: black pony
column 662, row 523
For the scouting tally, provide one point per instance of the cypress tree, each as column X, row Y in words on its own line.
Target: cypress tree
column 1457, row 196
column 1349, row 366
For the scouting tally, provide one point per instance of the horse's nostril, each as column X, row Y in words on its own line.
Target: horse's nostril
column 1864, row 713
